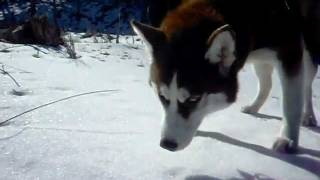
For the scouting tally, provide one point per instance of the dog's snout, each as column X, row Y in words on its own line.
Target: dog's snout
column 168, row 144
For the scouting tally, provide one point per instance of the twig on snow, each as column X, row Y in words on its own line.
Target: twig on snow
column 21, row 70
column 4, row 72
column 56, row 101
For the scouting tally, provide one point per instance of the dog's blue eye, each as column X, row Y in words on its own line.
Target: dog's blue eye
column 188, row 106
column 194, row 99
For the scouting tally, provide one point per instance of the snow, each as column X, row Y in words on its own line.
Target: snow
column 115, row 135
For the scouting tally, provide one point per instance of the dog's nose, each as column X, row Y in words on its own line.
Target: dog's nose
column 168, row 144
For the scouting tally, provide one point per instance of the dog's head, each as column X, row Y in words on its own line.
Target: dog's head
column 191, row 73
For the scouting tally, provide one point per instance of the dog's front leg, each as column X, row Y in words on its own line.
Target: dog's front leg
column 292, row 105
column 264, row 75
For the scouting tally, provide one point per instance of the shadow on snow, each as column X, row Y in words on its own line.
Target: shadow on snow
column 309, row 164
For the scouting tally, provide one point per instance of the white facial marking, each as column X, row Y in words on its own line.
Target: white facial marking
column 183, row 95
column 164, row 91
column 180, row 130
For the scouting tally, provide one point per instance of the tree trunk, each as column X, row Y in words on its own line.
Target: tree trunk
column 33, row 9
column 119, row 22
column 11, row 19
column 54, row 4
column 78, row 11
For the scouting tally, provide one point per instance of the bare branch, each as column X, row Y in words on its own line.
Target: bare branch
column 56, row 101
column 70, row 48
column 4, row 72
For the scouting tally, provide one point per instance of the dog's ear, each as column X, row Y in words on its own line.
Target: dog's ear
column 221, row 49
column 154, row 37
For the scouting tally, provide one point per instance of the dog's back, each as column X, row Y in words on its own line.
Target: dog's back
column 310, row 11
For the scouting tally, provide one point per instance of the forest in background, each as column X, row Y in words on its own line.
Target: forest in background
column 107, row 16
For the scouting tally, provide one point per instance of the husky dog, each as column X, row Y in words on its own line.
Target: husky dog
column 200, row 47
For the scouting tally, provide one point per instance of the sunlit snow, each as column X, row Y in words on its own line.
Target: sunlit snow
column 115, row 135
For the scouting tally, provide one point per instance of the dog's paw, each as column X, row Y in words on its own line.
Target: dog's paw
column 284, row 145
column 249, row 109
column 309, row 121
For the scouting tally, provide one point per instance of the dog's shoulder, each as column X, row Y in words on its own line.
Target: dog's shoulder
column 190, row 14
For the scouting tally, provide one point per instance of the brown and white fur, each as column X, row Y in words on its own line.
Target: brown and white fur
column 200, row 47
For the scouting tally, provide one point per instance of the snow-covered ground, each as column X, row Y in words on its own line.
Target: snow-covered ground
column 115, row 135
